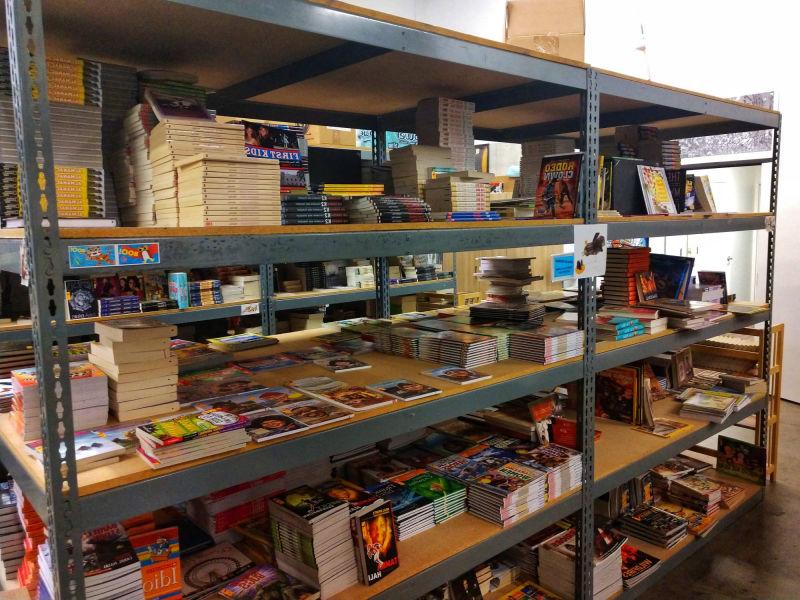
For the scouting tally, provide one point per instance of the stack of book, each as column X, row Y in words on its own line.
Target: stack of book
column 35, row 534
column 636, row 566
column 557, row 564
column 448, row 495
column 507, row 278
column 172, row 141
column 133, row 173
column 546, row 344
column 619, row 282
column 189, row 437
column 697, row 492
column 89, row 399
column 617, row 328
column 205, row 293
column 242, row 345
column 508, row 493
column 708, row 405
column 313, row 209
column 647, row 317
column 412, row 164
column 312, row 538
column 227, row 189
column 448, row 123
column 388, row 209
column 413, row 513
column 530, row 162
column 120, row 305
column 399, row 340
column 142, row 370
column 15, row 355
column 467, row 324
column 461, row 196
column 459, row 349
column 526, row 553
column 265, row 581
column 194, row 356
column 91, row 450
column 351, row 189
column 664, row 474
column 11, row 533
column 562, row 465
column 656, row 526
column 687, row 314
column 250, row 284
column 530, row 313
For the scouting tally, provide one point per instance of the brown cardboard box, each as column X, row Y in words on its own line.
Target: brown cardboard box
column 319, row 135
column 567, row 45
column 544, row 17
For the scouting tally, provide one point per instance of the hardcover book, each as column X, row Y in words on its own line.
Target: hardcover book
column 656, row 190
column 557, row 191
column 617, row 394
column 377, row 543
column 80, row 298
column 741, row 459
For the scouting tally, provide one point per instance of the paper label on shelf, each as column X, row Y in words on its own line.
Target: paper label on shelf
column 143, row 253
column 92, row 256
column 252, row 308
column 590, row 242
column 562, row 266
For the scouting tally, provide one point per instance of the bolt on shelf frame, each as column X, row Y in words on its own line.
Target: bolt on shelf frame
column 45, row 250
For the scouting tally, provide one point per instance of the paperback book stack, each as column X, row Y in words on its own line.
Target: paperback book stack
column 652, row 525
column 312, row 209
column 194, row 356
column 205, row 293
column 15, row 355
column 411, row 166
column 671, row 154
column 697, row 492
column 175, row 139
column 226, row 189
column 447, row 122
column 312, row 538
column 413, row 513
column 403, row 341
column 449, row 496
column 461, row 196
column 142, row 369
column 11, row 533
column 508, row 493
column 459, row 349
column 562, row 465
column 119, row 305
column 617, row 328
column 546, row 344
column 35, row 534
column 526, row 553
column 351, row 189
column 506, row 298
column 389, row 209
column 530, row 162
column 133, row 173
column 707, row 405
column 250, row 284
column 89, row 399
column 648, row 318
column 180, row 439
column 619, row 283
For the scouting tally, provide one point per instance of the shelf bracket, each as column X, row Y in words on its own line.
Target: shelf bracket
column 383, row 307
column 268, row 325
column 46, row 290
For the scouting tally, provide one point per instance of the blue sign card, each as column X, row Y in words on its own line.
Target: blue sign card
column 562, row 266
column 92, row 256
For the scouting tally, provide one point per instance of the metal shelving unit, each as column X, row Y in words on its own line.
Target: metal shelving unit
column 332, row 46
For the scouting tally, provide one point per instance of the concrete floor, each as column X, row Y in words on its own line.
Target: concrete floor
column 756, row 558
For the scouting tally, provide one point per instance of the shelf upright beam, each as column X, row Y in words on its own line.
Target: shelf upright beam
column 379, row 152
column 590, row 141
column 766, row 360
column 268, row 325
column 383, row 307
column 45, row 288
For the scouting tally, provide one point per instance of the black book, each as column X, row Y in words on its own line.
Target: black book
column 81, row 303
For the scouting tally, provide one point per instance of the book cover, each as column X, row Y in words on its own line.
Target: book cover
column 340, row 489
column 175, row 106
column 307, row 502
column 209, row 569
column 107, row 549
column 272, row 424
column 265, row 582
column 269, row 363
column 617, row 394
column 315, row 412
column 279, row 396
column 80, row 298
column 465, row 587
column 131, row 284
column 188, row 427
column 404, row 499
column 656, row 190
column 635, row 563
column 341, row 364
column 646, row 287
column 741, row 459
column 430, row 485
column 284, row 143
column 358, row 398
column 106, row 287
column 457, row 375
column 557, row 190
column 715, row 278
column 178, row 286
column 405, row 389
column 671, row 274
column 159, row 555
column 378, row 540
column 155, row 285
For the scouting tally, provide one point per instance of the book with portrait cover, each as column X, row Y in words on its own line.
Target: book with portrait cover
column 742, row 459
column 557, row 191
column 376, row 544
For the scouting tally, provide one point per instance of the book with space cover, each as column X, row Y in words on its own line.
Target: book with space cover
column 80, row 298
column 557, row 190
column 672, row 274
column 742, row 459
column 617, row 393
column 656, row 191
column 376, row 543
column 160, row 559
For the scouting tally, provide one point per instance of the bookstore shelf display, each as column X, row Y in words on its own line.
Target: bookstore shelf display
column 332, row 63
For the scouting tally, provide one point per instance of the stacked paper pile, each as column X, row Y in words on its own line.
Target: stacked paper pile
column 459, row 349
column 221, row 189
column 467, row 324
column 205, row 293
column 619, row 282
column 508, row 493
column 180, row 439
column 653, row 525
column 312, row 538
column 386, row 209
column 172, row 141
column 562, row 465
column 133, row 173
column 35, row 535
column 671, row 154
column 530, row 162
column 312, row 209
column 413, row 513
column 141, row 367
column 89, row 399
column 411, row 166
column 448, row 123
column 11, row 533
column 546, row 344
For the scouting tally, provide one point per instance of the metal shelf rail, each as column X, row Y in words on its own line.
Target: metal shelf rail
column 506, row 85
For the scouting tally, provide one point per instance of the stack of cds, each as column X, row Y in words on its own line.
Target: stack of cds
column 697, row 492
column 619, row 282
column 413, row 513
column 449, row 496
column 312, row 209
column 459, row 349
column 530, row 162
column 389, row 209
column 411, row 165
column 508, row 493
column 671, row 154
column 562, row 465
column 653, row 525
column 447, row 122
column 530, row 313
column 119, row 305
column 546, row 344
column 205, row 293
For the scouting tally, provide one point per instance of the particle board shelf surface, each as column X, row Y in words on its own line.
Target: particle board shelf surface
column 334, row 292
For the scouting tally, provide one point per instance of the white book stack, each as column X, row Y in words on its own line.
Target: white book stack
column 133, row 175
column 251, row 284
column 530, row 163
column 142, row 369
column 448, row 123
column 411, row 164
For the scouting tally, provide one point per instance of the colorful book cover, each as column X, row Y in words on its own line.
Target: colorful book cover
column 671, row 274
column 315, row 412
column 378, row 543
column 457, row 375
column 178, row 286
column 557, row 191
column 269, row 363
column 358, row 398
column 405, row 389
column 107, row 286
column 430, row 485
column 646, row 286
column 459, row 467
column 188, row 427
column 204, row 571
column 741, row 459
column 617, row 394
column 271, row 424
column 175, row 106
column 655, row 188
column 131, row 284
column 265, row 582
column 465, row 587
column 155, row 285
column 80, row 298
column 307, row 502
column 403, row 499
column 159, row 556
column 106, row 549
column 698, row 523
column 509, row 478
column 279, row 396
column 340, row 489
column 636, row 563
column 284, row 143
column 341, row 364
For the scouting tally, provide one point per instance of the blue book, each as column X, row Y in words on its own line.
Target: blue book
column 178, row 285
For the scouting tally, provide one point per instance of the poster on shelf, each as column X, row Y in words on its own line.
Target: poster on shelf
column 562, row 267
column 143, row 253
column 92, row 256
column 590, row 250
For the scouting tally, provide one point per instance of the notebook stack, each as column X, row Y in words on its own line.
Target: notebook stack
column 459, row 349
column 142, row 369
column 447, row 122
column 313, row 209
column 546, row 344
column 562, row 465
column 652, row 525
column 180, row 439
column 707, row 405
column 171, row 142
column 697, row 492
column 413, row 513
column 11, row 533
column 312, row 538
column 389, row 209
column 508, row 493
column 119, row 305
column 530, row 162
column 227, row 189
column 448, row 495
column 205, row 293
column 619, row 282
column 89, row 399
column 412, row 164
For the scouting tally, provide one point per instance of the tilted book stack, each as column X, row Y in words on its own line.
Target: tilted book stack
column 411, row 165
column 506, row 298
column 619, row 283
column 142, row 369
column 28, row 572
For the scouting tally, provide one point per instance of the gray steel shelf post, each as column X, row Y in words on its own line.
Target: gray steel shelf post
column 46, row 290
column 590, row 141
column 268, row 325
column 379, row 152
column 383, row 306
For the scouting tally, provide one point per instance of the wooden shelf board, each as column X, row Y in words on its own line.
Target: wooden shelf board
column 321, row 293
column 681, row 218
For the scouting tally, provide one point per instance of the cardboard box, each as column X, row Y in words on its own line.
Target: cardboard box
column 544, row 17
column 568, row 45
column 403, row 304
column 319, row 135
